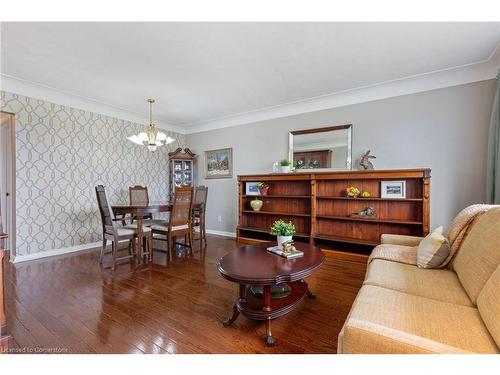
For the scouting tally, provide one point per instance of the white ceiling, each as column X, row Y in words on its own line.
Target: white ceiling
column 201, row 72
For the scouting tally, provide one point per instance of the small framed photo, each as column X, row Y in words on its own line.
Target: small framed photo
column 393, row 189
column 251, row 188
column 219, row 163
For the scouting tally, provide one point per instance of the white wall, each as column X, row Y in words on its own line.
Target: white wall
column 445, row 130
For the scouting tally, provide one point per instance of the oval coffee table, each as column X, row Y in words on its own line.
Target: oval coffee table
column 252, row 266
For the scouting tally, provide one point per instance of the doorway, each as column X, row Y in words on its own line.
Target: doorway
column 8, row 180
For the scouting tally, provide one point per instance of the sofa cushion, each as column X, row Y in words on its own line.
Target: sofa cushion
column 387, row 321
column 488, row 304
column 439, row 284
column 479, row 254
column 400, row 239
column 433, row 249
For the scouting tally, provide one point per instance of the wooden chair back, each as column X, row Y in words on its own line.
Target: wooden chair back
column 181, row 208
column 107, row 216
column 139, row 197
column 200, row 196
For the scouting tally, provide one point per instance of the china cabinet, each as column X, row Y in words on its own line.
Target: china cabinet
column 181, row 167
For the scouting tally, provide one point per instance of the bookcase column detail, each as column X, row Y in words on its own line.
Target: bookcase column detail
column 313, row 210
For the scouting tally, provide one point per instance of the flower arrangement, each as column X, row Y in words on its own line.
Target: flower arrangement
column 282, row 228
column 263, row 188
column 352, row 191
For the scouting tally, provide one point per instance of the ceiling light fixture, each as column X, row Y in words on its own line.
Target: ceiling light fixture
column 151, row 138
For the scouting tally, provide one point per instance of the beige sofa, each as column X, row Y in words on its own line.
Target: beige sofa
column 405, row 309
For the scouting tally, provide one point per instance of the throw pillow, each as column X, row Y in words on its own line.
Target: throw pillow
column 433, row 249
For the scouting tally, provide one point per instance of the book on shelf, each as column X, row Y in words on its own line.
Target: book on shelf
column 291, row 254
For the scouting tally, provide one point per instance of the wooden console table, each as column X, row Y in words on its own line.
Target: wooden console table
column 317, row 205
column 253, row 265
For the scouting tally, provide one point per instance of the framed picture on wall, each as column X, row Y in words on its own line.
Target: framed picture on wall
column 393, row 189
column 219, row 163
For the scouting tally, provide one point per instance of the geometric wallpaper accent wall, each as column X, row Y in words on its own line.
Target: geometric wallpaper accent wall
column 62, row 153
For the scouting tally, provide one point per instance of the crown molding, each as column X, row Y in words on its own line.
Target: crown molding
column 475, row 72
column 50, row 94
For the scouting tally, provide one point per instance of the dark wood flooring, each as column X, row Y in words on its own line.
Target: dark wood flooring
column 67, row 304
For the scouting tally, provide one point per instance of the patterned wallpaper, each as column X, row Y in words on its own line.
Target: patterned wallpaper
column 62, row 153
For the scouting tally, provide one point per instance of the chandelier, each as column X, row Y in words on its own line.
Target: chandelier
column 151, row 137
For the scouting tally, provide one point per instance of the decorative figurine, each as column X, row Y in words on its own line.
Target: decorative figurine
column 288, row 247
column 368, row 212
column 365, row 161
column 365, row 194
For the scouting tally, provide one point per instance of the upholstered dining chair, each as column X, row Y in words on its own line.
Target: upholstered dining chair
column 139, row 197
column 198, row 220
column 115, row 232
column 179, row 223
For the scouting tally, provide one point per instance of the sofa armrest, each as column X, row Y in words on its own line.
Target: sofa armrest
column 399, row 239
column 363, row 337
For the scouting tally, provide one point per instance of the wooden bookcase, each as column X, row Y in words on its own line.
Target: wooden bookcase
column 317, row 204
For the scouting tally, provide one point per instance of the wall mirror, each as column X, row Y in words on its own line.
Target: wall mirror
column 321, row 148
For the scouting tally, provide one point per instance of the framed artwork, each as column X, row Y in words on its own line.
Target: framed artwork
column 219, row 163
column 251, row 188
column 393, row 189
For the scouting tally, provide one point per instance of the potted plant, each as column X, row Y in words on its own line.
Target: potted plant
column 285, row 166
column 263, row 188
column 283, row 230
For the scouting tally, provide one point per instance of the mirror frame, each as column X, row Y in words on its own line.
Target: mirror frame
column 321, row 130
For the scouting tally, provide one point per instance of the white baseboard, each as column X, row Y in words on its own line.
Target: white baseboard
column 51, row 253
column 87, row 246
column 221, row 233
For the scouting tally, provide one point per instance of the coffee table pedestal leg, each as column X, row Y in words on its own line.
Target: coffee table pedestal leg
column 310, row 294
column 269, row 334
column 236, row 312
column 267, row 307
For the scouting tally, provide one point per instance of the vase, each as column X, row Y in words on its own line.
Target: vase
column 256, row 204
column 282, row 239
column 285, row 169
column 264, row 191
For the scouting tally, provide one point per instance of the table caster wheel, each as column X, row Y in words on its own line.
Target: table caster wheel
column 269, row 341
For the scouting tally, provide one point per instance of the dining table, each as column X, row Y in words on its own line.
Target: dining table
column 138, row 212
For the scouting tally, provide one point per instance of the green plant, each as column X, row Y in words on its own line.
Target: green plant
column 282, row 228
column 262, row 185
column 285, row 163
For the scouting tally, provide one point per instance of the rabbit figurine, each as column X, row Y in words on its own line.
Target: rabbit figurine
column 365, row 160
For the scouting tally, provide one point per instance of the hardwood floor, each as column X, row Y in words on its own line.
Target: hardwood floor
column 69, row 305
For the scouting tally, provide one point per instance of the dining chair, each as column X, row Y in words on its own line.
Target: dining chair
column 139, row 197
column 179, row 223
column 114, row 232
column 198, row 220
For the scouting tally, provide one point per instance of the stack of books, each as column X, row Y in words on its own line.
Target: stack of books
column 278, row 250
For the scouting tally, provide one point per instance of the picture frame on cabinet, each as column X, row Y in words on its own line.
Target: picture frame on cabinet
column 251, row 188
column 393, row 189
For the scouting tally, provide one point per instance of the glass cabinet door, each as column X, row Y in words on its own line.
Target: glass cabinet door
column 178, row 173
column 187, row 167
